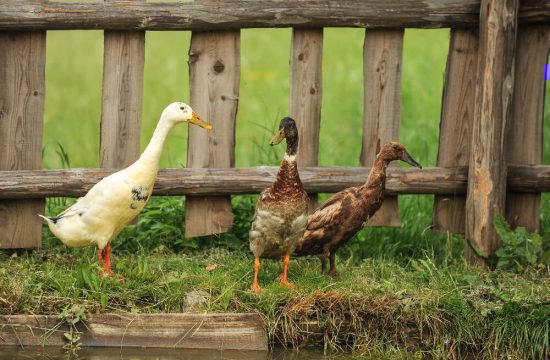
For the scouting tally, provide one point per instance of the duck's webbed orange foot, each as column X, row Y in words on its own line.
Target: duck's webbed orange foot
column 286, row 283
column 283, row 278
column 256, row 287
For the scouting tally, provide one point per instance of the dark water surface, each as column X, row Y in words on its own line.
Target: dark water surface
column 54, row 353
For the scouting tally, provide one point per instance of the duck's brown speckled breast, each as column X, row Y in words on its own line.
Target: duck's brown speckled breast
column 281, row 215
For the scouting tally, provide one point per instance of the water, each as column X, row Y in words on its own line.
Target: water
column 54, row 353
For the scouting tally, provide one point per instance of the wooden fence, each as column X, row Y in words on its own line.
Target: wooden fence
column 491, row 120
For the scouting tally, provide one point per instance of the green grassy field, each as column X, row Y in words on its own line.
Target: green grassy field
column 402, row 292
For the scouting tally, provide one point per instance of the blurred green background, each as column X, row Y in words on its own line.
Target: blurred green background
column 74, row 77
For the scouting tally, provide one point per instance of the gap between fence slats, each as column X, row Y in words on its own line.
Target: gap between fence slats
column 493, row 110
column 306, row 95
column 455, row 129
column 382, row 62
column 22, row 77
column 214, row 75
column 525, row 144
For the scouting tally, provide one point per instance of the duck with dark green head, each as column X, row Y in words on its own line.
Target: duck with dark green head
column 281, row 211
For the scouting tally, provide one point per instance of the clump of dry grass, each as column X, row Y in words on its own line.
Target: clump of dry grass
column 10, row 294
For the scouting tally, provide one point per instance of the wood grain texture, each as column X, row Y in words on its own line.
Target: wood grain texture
column 236, row 14
column 29, row 184
column 214, row 75
column 306, row 95
column 22, row 76
column 124, row 55
column 493, row 111
column 455, row 127
column 382, row 61
column 26, row 184
column 525, row 136
column 128, row 353
column 184, row 331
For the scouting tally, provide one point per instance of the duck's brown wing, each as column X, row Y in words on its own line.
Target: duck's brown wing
column 324, row 223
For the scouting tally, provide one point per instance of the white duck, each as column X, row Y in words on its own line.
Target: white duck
column 99, row 216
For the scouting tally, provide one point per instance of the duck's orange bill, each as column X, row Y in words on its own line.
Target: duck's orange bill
column 195, row 119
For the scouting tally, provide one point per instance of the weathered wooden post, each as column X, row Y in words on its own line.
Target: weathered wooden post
column 526, row 128
column 124, row 54
column 382, row 62
column 22, row 78
column 214, row 74
column 493, row 111
column 455, row 128
column 306, row 94
column 123, row 60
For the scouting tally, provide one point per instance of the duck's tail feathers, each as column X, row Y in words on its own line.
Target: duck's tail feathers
column 52, row 220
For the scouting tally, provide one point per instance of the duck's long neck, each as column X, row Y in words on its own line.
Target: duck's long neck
column 150, row 157
column 377, row 175
column 288, row 178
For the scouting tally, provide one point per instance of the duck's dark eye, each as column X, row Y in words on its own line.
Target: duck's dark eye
column 181, row 108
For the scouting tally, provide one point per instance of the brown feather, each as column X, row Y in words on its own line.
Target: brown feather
column 335, row 222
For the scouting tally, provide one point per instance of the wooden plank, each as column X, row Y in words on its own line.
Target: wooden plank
column 214, row 74
column 184, row 331
column 124, row 54
column 22, row 76
column 525, row 144
column 99, row 353
column 306, row 95
column 29, row 184
column 455, row 128
column 382, row 60
column 237, row 14
column 225, row 181
column 493, row 110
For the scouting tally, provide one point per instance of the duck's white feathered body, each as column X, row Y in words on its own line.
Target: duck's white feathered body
column 106, row 209
column 112, row 203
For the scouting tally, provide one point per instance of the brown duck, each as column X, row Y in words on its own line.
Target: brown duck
column 281, row 211
column 343, row 215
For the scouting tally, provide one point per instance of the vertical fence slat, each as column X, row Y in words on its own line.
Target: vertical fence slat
column 455, row 129
column 306, row 94
column 214, row 75
column 22, row 86
column 124, row 53
column 525, row 136
column 383, row 57
column 493, row 110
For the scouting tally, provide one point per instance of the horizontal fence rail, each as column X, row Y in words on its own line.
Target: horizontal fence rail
column 25, row 184
column 235, row 14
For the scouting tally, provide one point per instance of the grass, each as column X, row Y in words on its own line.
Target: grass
column 378, row 305
column 403, row 292
column 409, row 297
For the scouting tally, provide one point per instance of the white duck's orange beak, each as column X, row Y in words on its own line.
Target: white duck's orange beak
column 195, row 119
